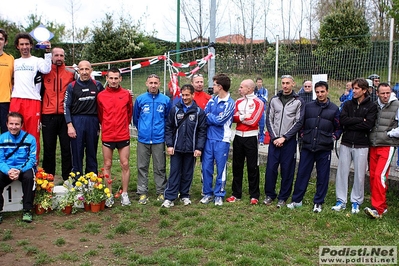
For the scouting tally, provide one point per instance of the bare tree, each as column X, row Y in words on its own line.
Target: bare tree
column 266, row 8
column 282, row 18
column 73, row 7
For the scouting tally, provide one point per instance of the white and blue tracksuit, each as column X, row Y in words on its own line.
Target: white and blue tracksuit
column 262, row 94
column 219, row 113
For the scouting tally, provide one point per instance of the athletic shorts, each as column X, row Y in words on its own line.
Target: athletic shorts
column 118, row 144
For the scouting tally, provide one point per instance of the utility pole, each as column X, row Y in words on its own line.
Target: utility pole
column 212, row 40
column 178, row 33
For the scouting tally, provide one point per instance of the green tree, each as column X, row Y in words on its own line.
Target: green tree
column 344, row 34
column 394, row 13
column 12, row 29
column 33, row 20
column 345, row 26
column 118, row 40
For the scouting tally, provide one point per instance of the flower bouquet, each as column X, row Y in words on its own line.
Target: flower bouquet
column 44, row 195
column 92, row 189
column 81, row 186
column 67, row 202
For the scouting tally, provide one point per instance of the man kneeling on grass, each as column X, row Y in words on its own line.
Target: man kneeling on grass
column 17, row 159
column 185, row 136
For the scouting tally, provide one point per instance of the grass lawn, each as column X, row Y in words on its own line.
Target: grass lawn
column 233, row 234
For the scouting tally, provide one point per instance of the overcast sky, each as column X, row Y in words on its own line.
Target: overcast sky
column 158, row 15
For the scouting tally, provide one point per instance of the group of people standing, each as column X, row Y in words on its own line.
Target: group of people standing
column 68, row 105
column 74, row 107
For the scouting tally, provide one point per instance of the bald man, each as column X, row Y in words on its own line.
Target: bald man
column 306, row 92
column 248, row 111
column 80, row 112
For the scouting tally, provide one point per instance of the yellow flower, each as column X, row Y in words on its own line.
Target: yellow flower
column 39, row 181
column 78, row 184
column 106, row 190
column 108, row 195
column 86, row 182
column 72, row 174
column 100, row 186
column 73, row 189
column 93, row 179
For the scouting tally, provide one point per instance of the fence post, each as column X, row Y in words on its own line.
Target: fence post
column 390, row 51
column 276, row 68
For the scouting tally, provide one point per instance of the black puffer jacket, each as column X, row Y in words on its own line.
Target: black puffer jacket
column 321, row 124
column 357, row 121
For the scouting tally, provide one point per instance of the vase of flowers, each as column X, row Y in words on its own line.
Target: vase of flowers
column 97, row 192
column 67, row 202
column 90, row 187
column 44, row 195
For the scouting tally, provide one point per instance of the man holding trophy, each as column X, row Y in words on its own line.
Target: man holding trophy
column 28, row 70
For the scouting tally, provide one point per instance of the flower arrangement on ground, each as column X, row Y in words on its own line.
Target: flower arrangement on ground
column 91, row 187
column 44, row 195
column 70, row 197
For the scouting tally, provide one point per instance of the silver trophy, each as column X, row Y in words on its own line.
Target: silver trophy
column 41, row 34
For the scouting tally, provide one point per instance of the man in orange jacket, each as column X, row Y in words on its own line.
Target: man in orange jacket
column 53, row 119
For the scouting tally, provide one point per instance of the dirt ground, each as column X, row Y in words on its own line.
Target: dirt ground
column 34, row 243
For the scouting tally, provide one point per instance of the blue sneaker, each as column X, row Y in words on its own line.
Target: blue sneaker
column 339, row 206
column 355, row 207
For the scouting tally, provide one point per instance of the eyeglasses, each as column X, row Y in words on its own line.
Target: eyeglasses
column 308, row 86
column 153, row 76
column 287, row 77
column 197, row 75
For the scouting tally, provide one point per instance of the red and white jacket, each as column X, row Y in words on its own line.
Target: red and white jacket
column 247, row 113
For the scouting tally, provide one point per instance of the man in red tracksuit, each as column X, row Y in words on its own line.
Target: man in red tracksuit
column 383, row 141
column 115, row 107
column 248, row 111
column 201, row 98
column 53, row 120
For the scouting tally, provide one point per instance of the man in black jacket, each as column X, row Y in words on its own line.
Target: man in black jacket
column 357, row 119
column 185, row 136
column 321, row 127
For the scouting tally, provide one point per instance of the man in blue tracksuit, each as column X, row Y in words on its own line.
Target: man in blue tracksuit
column 219, row 116
column 150, row 113
column 283, row 120
column 321, row 128
column 17, row 160
column 262, row 94
column 80, row 110
column 185, row 137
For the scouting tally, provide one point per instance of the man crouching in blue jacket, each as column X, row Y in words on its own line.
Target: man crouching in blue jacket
column 185, row 136
column 17, row 159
